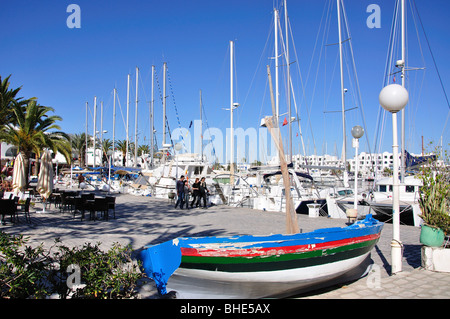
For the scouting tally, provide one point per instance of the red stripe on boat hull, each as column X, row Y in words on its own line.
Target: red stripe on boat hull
column 270, row 251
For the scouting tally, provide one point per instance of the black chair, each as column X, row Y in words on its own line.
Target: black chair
column 54, row 199
column 67, row 203
column 8, row 207
column 79, row 207
column 99, row 205
column 15, row 216
column 25, row 210
column 111, row 205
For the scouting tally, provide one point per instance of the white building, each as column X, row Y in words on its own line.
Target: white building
column 369, row 164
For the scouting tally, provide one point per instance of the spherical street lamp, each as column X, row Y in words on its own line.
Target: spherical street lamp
column 393, row 98
column 357, row 132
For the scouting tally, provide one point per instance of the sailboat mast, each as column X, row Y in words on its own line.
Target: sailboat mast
column 136, row 120
column 402, row 166
column 114, row 127
column 95, row 127
column 128, row 119
column 277, row 93
column 201, row 127
column 86, row 138
column 164, row 103
column 344, row 138
column 152, row 123
column 231, row 114
column 101, row 133
column 288, row 79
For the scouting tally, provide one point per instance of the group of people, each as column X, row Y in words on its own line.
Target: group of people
column 198, row 191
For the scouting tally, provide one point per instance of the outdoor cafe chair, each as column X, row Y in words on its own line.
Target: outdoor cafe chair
column 111, row 205
column 67, row 202
column 79, row 206
column 99, row 205
column 7, row 207
column 25, row 209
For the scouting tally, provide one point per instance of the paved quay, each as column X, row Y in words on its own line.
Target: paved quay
column 146, row 220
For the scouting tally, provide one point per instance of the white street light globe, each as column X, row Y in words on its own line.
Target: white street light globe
column 178, row 147
column 393, row 98
column 357, row 131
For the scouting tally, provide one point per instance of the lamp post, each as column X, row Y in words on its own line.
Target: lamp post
column 393, row 98
column 357, row 133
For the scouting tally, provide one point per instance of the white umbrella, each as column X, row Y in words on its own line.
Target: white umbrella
column 45, row 180
column 19, row 178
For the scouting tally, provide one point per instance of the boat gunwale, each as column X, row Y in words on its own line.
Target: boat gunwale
column 316, row 237
column 270, row 251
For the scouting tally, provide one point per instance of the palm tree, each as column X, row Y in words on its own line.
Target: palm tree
column 8, row 98
column 78, row 142
column 32, row 132
column 121, row 145
column 143, row 149
column 106, row 146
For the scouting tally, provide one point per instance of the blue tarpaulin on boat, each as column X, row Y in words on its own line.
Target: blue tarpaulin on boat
column 412, row 161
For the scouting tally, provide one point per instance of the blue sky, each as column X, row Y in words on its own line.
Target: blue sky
column 66, row 67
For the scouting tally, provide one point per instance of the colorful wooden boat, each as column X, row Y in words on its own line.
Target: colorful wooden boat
column 258, row 266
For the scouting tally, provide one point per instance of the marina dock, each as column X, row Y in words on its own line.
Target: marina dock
column 142, row 220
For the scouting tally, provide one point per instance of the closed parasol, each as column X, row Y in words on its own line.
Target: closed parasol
column 45, row 180
column 19, row 178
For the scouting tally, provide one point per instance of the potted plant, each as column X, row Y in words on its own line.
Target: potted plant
column 434, row 202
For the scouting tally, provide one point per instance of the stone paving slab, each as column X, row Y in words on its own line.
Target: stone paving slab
column 146, row 220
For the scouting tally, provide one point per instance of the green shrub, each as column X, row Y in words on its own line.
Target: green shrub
column 106, row 275
column 434, row 198
column 22, row 269
column 27, row 272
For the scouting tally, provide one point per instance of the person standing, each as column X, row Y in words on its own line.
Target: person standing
column 180, row 192
column 195, row 192
column 187, row 193
column 80, row 179
column 203, row 191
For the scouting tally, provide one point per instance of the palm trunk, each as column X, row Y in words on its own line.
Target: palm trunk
column 82, row 157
